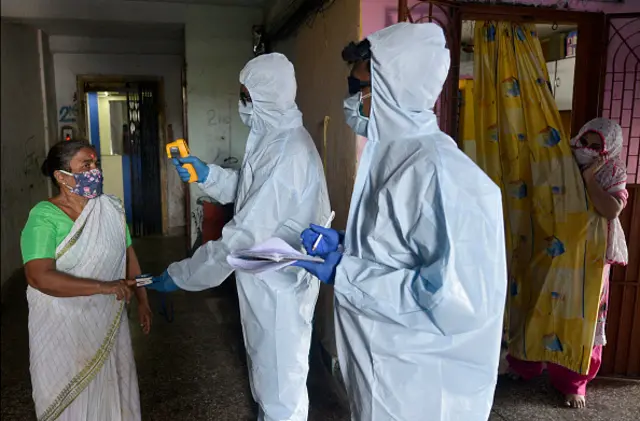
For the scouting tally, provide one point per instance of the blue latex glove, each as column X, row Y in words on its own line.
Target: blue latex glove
column 326, row 271
column 202, row 169
column 163, row 283
column 331, row 240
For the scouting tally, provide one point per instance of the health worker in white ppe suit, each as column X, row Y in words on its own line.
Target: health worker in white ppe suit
column 420, row 286
column 279, row 190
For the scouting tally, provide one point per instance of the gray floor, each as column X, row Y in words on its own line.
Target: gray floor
column 194, row 367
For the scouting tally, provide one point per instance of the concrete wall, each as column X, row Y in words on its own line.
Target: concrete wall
column 48, row 80
column 218, row 43
column 68, row 66
column 322, row 86
column 109, row 45
column 23, row 138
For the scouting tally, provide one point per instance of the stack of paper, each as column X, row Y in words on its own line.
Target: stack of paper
column 273, row 254
column 143, row 280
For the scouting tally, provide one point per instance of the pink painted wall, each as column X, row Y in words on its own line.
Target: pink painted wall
column 378, row 14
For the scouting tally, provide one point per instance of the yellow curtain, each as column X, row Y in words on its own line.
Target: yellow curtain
column 467, row 118
column 555, row 241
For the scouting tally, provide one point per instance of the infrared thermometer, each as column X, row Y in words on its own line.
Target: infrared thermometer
column 179, row 149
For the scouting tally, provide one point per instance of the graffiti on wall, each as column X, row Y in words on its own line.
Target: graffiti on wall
column 214, row 118
column 32, row 159
column 68, row 114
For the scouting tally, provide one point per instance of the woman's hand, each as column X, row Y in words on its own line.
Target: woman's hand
column 145, row 316
column 122, row 289
column 603, row 202
column 590, row 173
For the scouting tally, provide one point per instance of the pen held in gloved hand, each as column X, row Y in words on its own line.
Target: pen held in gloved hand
column 326, row 225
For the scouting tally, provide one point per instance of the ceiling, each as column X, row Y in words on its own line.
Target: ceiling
column 544, row 30
column 108, row 29
column 247, row 3
column 113, row 18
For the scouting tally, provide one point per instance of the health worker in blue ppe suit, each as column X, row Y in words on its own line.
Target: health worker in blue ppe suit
column 420, row 286
column 279, row 190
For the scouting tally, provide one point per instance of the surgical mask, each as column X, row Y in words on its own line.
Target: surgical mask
column 88, row 183
column 584, row 153
column 246, row 112
column 355, row 84
column 353, row 113
column 586, row 156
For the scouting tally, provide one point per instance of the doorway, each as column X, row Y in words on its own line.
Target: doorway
column 122, row 120
column 605, row 85
column 558, row 47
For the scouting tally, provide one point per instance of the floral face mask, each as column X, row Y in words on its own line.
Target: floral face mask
column 88, row 183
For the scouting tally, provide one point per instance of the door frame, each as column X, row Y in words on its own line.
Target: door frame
column 592, row 47
column 185, row 135
column 95, row 83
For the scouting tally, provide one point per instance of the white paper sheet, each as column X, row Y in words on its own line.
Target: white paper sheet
column 143, row 280
column 271, row 255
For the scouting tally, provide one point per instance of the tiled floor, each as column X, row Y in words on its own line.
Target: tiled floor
column 194, row 368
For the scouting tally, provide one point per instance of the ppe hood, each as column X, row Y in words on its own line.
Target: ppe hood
column 409, row 66
column 271, row 82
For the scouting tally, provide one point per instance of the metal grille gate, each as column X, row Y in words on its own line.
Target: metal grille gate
column 621, row 102
column 144, row 150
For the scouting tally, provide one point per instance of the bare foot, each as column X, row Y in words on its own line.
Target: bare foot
column 512, row 375
column 575, row 401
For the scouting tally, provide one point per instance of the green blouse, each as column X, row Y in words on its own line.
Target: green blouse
column 46, row 228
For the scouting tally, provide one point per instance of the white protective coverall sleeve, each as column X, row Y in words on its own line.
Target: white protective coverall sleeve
column 221, row 184
column 269, row 202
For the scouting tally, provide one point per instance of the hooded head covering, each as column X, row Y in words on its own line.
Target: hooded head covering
column 612, row 176
column 271, row 81
column 401, row 279
column 614, row 171
column 611, row 134
column 409, row 66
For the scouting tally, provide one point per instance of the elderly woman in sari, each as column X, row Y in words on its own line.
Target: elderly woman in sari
column 80, row 267
column 596, row 149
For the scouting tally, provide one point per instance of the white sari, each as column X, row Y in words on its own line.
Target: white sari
column 82, row 365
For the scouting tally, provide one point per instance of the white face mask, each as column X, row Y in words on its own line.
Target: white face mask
column 353, row 114
column 586, row 156
column 246, row 112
